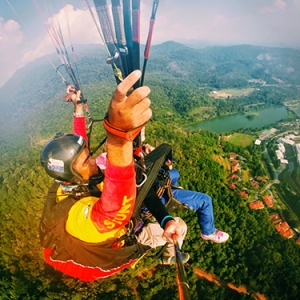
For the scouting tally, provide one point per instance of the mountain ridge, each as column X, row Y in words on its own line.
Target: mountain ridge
column 34, row 89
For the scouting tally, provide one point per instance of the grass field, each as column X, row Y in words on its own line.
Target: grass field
column 241, row 139
column 232, row 93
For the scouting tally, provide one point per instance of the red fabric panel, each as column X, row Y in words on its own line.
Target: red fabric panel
column 84, row 273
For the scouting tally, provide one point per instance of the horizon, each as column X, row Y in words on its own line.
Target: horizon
column 193, row 44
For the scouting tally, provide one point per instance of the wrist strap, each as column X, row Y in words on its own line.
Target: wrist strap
column 128, row 135
column 165, row 220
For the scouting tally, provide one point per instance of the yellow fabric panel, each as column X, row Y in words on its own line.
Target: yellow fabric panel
column 80, row 225
column 60, row 194
column 100, row 186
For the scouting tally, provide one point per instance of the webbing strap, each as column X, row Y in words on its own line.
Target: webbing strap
column 128, row 32
column 106, row 23
column 136, row 16
column 149, row 38
column 153, row 162
column 120, row 33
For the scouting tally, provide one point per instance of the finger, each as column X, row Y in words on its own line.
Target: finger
column 168, row 237
column 68, row 88
column 145, row 116
column 72, row 96
column 137, row 95
column 78, row 95
column 142, row 105
column 143, row 111
column 122, row 89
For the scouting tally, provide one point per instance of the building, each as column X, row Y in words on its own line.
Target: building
column 255, row 184
column 259, row 178
column 268, row 200
column 233, row 177
column 274, row 216
column 286, row 141
column 232, row 155
column 232, row 186
column 285, row 230
column 279, row 155
column 257, row 142
column 234, row 169
column 267, row 133
column 281, row 147
column 256, row 205
column 281, row 226
column 243, row 194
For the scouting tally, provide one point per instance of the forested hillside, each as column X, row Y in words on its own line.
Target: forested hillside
column 188, row 75
column 256, row 256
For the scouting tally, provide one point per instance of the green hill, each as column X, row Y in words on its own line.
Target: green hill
column 33, row 95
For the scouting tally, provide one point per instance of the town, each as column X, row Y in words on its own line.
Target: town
column 257, row 190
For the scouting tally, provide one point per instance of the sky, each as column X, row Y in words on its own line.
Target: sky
column 24, row 37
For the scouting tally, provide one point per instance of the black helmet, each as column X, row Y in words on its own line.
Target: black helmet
column 58, row 155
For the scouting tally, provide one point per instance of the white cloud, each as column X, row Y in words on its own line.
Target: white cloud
column 10, row 32
column 76, row 21
column 275, row 7
column 11, row 38
column 280, row 4
column 15, row 53
column 82, row 29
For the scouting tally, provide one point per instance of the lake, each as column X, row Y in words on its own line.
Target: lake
column 266, row 116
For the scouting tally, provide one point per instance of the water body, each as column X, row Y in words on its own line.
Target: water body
column 266, row 116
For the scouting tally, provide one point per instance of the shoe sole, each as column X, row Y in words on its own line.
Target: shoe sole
column 214, row 241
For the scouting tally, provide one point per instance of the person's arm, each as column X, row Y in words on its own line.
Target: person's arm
column 159, row 211
column 79, row 126
column 156, row 207
column 116, row 205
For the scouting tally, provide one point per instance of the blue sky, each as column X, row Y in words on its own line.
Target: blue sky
column 23, row 37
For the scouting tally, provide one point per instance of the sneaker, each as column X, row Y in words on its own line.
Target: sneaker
column 217, row 237
column 167, row 260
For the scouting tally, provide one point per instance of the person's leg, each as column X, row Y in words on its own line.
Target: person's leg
column 151, row 235
column 174, row 176
column 202, row 204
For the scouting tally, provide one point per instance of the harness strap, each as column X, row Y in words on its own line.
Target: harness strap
column 153, row 163
column 172, row 203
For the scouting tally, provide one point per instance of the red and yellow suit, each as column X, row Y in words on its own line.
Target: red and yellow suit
column 77, row 236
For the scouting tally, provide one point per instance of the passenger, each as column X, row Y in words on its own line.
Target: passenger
column 197, row 201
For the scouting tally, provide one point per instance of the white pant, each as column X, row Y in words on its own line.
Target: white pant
column 151, row 235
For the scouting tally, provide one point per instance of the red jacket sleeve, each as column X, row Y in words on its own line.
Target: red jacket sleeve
column 114, row 209
column 79, row 127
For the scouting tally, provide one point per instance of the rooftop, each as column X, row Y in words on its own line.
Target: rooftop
column 256, row 205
